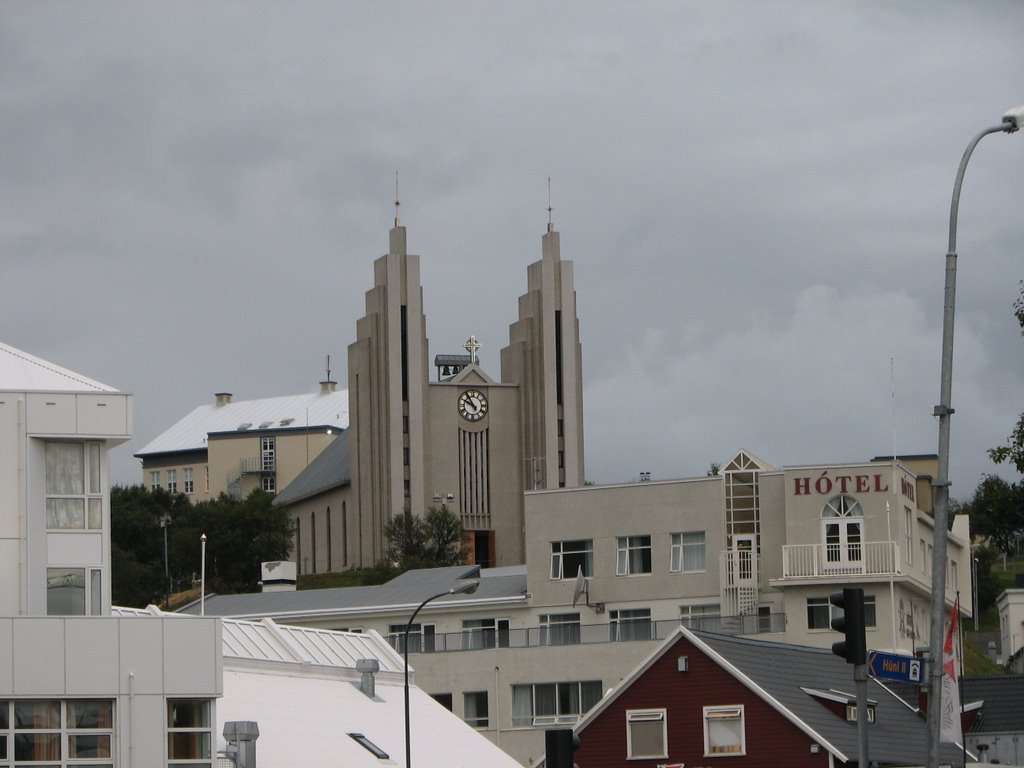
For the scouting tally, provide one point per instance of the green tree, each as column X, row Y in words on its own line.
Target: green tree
column 1013, row 451
column 997, row 512
column 433, row 541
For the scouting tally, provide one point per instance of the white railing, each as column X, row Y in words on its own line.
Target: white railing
column 872, row 558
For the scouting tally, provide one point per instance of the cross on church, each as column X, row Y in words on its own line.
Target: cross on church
column 472, row 345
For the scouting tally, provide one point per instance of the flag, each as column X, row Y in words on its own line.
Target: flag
column 949, row 724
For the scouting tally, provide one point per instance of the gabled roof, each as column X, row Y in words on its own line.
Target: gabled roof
column 22, row 372
column 329, row 470
column 399, row 594
column 1001, row 696
column 313, row 410
column 787, row 677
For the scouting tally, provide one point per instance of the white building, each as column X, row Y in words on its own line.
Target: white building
column 751, row 551
column 82, row 684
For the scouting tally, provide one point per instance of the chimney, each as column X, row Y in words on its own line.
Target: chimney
column 222, row 398
column 328, row 386
column 241, row 735
column 367, row 668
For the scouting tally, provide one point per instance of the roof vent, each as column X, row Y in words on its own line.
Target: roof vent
column 326, row 387
column 244, row 426
column 367, row 668
column 265, row 424
column 286, row 422
column 222, row 398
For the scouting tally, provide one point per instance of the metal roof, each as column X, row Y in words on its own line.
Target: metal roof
column 22, row 372
column 330, row 469
column 406, row 590
column 787, row 677
column 1002, row 696
column 316, row 409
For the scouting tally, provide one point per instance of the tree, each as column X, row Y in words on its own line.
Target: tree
column 1014, row 448
column 997, row 512
column 240, row 535
column 433, row 541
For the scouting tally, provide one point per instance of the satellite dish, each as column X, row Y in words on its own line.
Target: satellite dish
column 582, row 588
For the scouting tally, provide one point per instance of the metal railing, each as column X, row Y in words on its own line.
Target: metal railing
column 872, row 558
column 586, row 634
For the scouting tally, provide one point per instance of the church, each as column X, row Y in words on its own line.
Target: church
column 418, row 433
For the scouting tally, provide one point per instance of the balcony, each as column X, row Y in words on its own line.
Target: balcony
column 813, row 561
column 586, row 634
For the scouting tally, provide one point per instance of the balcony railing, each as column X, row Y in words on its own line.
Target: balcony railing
column 585, row 634
column 808, row 561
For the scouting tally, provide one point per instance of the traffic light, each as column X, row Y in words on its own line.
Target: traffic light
column 855, row 647
column 559, row 744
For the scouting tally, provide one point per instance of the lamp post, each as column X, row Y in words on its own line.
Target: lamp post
column 1011, row 122
column 165, row 521
column 465, row 588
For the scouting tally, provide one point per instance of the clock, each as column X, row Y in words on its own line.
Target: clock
column 472, row 405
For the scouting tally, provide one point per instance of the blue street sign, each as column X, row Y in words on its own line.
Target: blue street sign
column 891, row 666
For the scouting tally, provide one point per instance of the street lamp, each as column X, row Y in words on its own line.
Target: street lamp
column 1011, row 122
column 165, row 521
column 465, row 588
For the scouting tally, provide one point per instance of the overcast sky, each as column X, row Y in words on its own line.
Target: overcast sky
column 755, row 196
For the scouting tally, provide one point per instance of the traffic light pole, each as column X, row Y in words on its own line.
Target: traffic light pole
column 860, row 679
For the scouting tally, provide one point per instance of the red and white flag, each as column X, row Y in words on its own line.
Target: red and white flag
column 949, row 728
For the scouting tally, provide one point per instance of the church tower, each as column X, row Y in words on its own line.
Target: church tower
column 544, row 357
column 387, row 379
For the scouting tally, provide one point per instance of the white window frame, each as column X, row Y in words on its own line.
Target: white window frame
column 560, row 717
column 90, row 494
column 154, row 479
column 200, row 730
column 422, row 637
column 188, row 478
column 680, row 562
column 617, row 622
column 560, row 629
column 732, row 712
column 820, row 602
column 694, row 616
column 64, row 730
column 172, row 481
column 92, row 587
column 559, row 551
column 268, row 453
column 269, row 484
column 646, row 716
column 491, row 633
column 626, row 546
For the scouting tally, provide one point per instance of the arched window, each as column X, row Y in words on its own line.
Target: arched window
column 843, row 534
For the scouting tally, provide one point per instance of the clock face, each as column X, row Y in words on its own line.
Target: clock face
column 472, row 405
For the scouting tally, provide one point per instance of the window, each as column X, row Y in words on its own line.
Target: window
column 723, row 731
column 908, row 522
column 634, row 555
column 269, row 484
column 688, row 552
column 484, row 633
column 368, row 745
column 560, row 629
column 475, row 708
column 553, row 703
column 74, row 493
column 421, row 637
column 206, row 471
column 630, row 624
column 189, row 730
column 40, row 729
column 851, row 713
column 190, row 483
column 172, row 480
column 444, row 699
column 870, row 612
column 819, row 613
column 646, row 733
column 707, row 617
column 569, row 557
column 154, row 479
column 268, row 452
column 74, row 592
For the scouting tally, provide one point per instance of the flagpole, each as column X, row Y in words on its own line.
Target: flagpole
column 960, row 677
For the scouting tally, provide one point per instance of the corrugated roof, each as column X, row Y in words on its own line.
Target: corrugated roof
column 405, row 590
column 328, row 470
column 22, row 372
column 270, row 413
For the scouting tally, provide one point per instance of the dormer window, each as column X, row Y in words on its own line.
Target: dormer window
column 851, row 713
